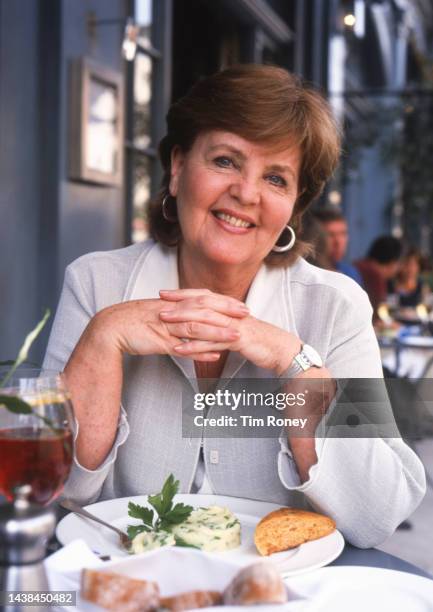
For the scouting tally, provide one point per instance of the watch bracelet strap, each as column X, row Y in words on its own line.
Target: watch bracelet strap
column 295, row 367
column 293, row 370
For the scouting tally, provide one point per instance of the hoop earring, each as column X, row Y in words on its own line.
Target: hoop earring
column 289, row 245
column 165, row 213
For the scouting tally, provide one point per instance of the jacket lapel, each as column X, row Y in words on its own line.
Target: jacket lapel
column 156, row 270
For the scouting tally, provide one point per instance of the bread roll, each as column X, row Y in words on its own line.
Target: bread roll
column 190, row 600
column 259, row 583
column 117, row 592
column 289, row 527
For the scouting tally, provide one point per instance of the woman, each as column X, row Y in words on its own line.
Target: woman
column 222, row 290
column 408, row 285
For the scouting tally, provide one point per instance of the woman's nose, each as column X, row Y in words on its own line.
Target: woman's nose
column 246, row 191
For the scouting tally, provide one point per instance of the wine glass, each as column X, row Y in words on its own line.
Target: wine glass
column 36, row 437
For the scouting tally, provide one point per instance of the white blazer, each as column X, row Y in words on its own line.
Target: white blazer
column 368, row 485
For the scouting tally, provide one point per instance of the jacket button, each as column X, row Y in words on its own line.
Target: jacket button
column 214, row 456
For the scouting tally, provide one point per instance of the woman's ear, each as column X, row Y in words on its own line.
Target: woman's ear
column 177, row 158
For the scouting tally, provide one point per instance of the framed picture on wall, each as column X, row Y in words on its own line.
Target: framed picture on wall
column 95, row 123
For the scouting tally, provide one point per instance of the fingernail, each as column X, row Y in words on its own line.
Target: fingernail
column 180, row 347
column 165, row 312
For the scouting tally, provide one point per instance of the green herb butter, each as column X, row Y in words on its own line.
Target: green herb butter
column 149, row 540
column 211, row 529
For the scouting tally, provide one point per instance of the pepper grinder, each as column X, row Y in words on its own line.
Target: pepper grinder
column 24, row 531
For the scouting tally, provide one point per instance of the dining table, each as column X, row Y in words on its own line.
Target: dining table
column 373, row 557
column 351, row 556
column 356, row 569
column 409, row 356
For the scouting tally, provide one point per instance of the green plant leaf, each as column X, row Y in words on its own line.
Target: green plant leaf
column 166, row 514
column 31, row 337
column 162, row 501
column 140, row 512
column 133, row 530
column 24, row 350
column 15, row 404
column 177, row 515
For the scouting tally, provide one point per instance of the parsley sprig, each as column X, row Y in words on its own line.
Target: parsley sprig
column 164, row 515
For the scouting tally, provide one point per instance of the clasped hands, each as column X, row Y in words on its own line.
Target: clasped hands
column 212, row 323
column 198, row 324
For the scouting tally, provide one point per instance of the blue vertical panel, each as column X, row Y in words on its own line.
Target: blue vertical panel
column 366, row 201
column 18, row 172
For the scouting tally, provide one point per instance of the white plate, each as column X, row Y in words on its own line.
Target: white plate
column 306, row 557
column 362, row 589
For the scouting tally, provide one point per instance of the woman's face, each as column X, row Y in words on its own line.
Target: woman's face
column 410, row 267
column 234, row 197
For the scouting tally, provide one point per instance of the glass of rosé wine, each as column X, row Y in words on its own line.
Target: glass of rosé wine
column 36, row 446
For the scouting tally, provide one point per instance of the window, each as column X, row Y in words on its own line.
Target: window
column 143, row 81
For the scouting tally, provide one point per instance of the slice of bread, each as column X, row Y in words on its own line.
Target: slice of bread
column 289, row 527
column 259, row 583
column 190, row 600
column 117, row 592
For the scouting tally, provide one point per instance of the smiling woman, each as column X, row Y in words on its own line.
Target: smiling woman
column 250, row 193
column 262, row 106
column 222, row 290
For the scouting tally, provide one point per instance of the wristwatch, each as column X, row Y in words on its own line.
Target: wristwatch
column 307, row 358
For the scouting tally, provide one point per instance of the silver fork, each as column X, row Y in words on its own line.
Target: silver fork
column 70, row 504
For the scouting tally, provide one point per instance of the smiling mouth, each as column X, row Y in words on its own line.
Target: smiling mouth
column 231, row 220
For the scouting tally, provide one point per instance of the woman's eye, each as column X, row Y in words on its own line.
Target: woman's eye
column 277, row 180
column 223, row 162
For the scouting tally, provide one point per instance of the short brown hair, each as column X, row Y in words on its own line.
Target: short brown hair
column 329, row 215
column 263, row 104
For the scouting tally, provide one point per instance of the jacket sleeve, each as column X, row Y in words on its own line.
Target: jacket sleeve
column 74, row 312
column 369, row 485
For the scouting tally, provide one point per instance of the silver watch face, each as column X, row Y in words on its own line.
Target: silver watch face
column 312, row 355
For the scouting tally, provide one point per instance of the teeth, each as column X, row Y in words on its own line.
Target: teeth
column 233, row 220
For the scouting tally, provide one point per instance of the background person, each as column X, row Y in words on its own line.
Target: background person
column 246, row 152
column 408, row 284
column 337, row 236
column 378, row 267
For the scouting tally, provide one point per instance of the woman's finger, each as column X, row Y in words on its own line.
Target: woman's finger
column 181, row 294
column 204, row 356
column 202, row 331
column 201, row 346
column 201, row 315
column 221, row 303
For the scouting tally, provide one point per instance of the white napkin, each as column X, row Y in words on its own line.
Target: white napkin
column 363, row 589
column 331, row 589
column 64, row 569
column 176, row 570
